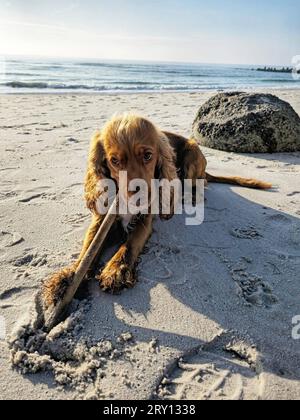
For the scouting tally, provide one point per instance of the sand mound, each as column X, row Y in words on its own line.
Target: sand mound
column 76, row 361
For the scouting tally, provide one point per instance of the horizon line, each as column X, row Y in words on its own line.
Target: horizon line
column 120, row 60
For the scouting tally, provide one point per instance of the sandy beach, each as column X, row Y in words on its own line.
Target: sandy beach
column 211, row 316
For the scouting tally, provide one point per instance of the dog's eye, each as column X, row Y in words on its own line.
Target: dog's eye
column 148, row 157
column 114, row 161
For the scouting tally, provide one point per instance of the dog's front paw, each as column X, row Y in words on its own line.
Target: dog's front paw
column 55, row 287
column 115, row 276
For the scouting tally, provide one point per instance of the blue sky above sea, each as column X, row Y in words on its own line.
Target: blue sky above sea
column 219, row 31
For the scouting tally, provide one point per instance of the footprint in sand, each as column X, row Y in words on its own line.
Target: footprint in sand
column 76, row 220
column 279, row 218
column 292, row 194
column 70, row 141
column 9, row 293
column 252, row 288
column 249, row 232
column 30, row 260
column 16, row 297
column 295, row 235
column 7, row 195
column 73, row 190
column 288, row 228
column 76, row 223
column 160, row 261
column 226, row 369
column 9, row 239
column 33, row 194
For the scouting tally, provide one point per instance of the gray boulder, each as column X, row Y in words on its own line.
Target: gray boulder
column 247, row 123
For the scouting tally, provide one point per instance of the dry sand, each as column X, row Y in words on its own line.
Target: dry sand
column 211, row 317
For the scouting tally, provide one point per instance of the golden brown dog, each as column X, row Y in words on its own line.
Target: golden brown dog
column 133, row 144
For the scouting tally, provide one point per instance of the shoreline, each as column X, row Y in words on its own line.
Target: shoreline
column 145, row 92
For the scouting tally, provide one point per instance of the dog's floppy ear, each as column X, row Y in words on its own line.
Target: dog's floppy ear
column 166, row 169
column 97, row 171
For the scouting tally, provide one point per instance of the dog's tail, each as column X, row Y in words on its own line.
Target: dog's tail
column 235, row 180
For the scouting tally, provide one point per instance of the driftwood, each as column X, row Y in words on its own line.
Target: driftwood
column 53, row 314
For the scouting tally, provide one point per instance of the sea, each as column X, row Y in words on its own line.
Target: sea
column 32, row 75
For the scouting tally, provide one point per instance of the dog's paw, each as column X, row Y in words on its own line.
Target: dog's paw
column 116, row 276
column 55, row 287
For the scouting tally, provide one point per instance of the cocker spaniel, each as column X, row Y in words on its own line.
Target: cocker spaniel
column 133, row 144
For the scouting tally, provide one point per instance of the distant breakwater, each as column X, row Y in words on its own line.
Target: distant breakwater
column 278, row 70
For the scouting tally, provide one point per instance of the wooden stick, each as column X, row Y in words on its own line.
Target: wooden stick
column 53, row 313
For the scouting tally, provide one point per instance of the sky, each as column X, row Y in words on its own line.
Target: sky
column 204, row 31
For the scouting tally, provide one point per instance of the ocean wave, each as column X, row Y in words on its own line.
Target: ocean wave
column 139, row 86
column 44, row 85
column 287, row 80
column 25, row 85
column 16, row 74
column 139, row 68
column 110, row 65
column 126, row 86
